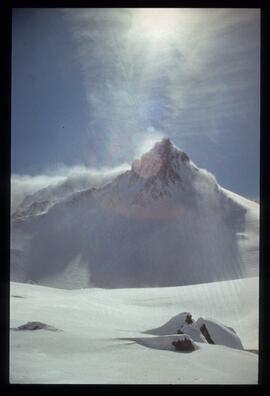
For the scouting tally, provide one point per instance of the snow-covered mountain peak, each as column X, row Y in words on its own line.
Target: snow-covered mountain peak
column 163, row 160
column 164, row 222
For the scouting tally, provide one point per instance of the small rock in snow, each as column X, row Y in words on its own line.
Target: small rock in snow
column 36, row 326
column 184, row 345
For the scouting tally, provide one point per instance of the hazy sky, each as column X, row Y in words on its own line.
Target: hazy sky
column 96, row 87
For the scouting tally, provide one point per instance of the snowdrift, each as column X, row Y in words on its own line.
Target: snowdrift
column 202, row 330
column 94, row 346
column 167, row 342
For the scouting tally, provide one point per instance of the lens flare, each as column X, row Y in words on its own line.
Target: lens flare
column 157, row 24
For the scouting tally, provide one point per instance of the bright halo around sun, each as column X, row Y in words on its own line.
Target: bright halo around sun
column 157, row 24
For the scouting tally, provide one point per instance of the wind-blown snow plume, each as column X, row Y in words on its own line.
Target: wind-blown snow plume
column 76, row 178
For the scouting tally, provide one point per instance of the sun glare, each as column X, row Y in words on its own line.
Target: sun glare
column 147, row 142
column 158, row 23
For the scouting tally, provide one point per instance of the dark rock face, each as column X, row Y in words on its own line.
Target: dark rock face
column 167, row 172
column 206, row 334
column 189, row 319
column 36, row 326
column 183, row 345
column 184, row 157
column 162, row 169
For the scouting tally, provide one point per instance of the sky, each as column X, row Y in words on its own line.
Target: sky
column 95, row 88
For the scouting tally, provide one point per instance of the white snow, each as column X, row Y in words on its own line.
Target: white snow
column 174, row 227
column 91, row 349
column 220, row 334
column 162, row 342
column 248, row 241
column 194, row 333
column 178, row 323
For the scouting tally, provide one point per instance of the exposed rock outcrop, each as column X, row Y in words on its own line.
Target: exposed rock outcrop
column 36, row 326
column 200, row 330
column 184, row 345
column 206, row 334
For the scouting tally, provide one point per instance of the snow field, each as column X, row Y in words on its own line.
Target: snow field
column 91, row 349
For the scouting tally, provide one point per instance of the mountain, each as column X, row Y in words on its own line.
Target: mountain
column 78, row 179
column 164, row 222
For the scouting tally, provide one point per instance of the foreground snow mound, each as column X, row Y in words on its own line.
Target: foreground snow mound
column 180, row 324
column 181, row 342
column 220, row 334
column 202, row 330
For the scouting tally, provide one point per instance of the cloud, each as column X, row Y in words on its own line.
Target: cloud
column 202, row 72
column 24, row 185
column 74, row 178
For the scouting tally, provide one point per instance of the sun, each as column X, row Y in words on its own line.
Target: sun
column 157, row 24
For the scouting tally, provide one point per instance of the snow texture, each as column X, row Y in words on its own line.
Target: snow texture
column 220, row 334
column 89, row 350
column 164, row 342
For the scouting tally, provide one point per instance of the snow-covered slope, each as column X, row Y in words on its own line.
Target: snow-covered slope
column 248, row 241
column 104, row 340
column 163, row 222
column 39, row 202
